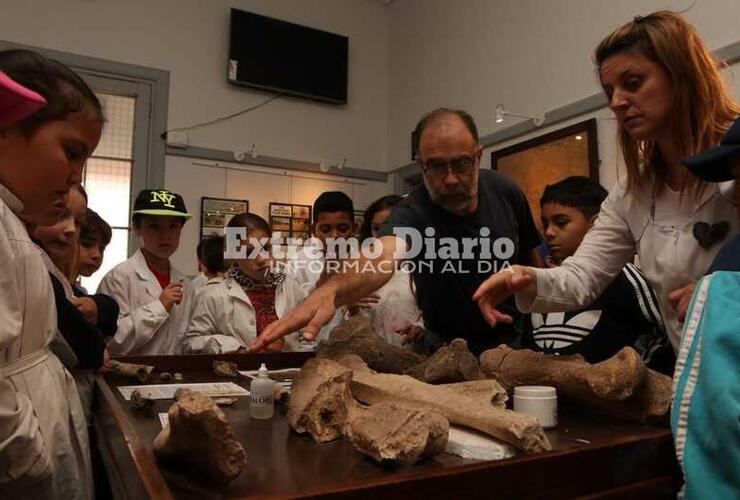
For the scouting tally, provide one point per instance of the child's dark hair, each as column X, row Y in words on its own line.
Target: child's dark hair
column 65, row 92
column 210, row 253
column 333, row 201
column 251, row 221
column 94, row 228
column 378, row 205
column 581, row 193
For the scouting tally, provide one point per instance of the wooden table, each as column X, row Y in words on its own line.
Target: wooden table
column 619, row 461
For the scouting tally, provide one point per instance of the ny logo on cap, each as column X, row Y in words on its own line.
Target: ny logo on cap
column 164, row 197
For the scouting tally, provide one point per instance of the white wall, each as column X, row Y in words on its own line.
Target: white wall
column 531, row 55
column 197, row 178
column 189, row 38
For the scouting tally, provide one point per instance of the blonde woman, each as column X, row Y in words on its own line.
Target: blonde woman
column 666, row 91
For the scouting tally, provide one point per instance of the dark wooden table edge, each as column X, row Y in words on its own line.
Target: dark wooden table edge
column 365, row 487
column 144, row 460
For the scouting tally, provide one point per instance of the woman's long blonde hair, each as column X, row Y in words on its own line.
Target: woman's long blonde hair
column 703, row 105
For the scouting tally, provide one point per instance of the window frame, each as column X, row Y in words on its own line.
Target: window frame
column 150, row 86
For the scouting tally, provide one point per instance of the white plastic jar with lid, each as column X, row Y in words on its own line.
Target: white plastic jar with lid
column 540, row 401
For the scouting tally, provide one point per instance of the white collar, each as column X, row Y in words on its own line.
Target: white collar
column 15, row 203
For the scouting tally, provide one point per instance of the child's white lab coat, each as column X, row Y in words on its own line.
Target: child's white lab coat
column 44, row 449
column 223, row 318
column 144, row 326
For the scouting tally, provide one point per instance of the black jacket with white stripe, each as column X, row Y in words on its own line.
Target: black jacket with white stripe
column 625, row 312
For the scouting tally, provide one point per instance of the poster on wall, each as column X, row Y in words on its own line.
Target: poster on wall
column 293, row 221
column 215, row 214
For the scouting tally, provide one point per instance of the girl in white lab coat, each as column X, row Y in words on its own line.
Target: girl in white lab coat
column 147, row 287
column 43, row 436
column 230, row 313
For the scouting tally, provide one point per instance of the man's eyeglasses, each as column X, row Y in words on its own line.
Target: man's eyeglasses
column 461, row 165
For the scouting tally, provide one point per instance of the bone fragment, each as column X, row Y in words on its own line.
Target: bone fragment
column 451, row 363
column 130, row 370
column 392, row 434
column 226, row 369
column 357, row 336
column 321, row 401
column 199, row 438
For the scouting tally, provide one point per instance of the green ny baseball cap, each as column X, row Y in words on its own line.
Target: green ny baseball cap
column 160, row 202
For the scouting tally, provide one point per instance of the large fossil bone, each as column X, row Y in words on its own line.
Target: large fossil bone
column 322, row 404
column 485, row 389
column 357, row 336
column 199, row 437
column 456, row 402
column 620, row 387
column 393, row 434
column 451, row 363
column 320, row 400
column 614, row 379
column 650, row 404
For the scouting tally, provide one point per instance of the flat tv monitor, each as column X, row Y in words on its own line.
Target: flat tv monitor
column 275, row 55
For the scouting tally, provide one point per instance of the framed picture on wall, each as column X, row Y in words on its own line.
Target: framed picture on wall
column 292, row 220
column 549, row 158
column 215, row 214
column 281, row 210
column 281, row 224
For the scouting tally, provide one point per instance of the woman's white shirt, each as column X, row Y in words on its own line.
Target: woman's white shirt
column 659, row 230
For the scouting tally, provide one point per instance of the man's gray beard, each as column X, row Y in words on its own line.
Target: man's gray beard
column 460, row 202
column 455, row 205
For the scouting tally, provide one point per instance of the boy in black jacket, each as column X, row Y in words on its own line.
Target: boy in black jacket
column 627, row 310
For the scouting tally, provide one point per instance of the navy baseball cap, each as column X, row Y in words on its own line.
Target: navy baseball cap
column 715, row 164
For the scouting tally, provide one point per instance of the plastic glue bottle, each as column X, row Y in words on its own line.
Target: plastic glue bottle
column 262, row 391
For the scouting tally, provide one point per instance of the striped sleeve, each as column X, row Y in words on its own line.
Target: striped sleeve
column 644, row 294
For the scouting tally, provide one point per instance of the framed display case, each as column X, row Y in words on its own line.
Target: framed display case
column 549, row 158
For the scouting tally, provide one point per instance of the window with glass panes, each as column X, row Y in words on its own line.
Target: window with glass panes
column 107, row 179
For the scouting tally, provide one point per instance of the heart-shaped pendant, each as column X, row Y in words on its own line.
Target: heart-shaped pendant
column 707, row 235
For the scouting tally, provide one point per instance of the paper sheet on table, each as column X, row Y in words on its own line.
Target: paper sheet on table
column 167, row 391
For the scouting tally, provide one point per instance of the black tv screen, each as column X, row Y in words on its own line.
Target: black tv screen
column 276, row 55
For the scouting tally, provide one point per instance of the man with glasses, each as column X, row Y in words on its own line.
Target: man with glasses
column 469, row 223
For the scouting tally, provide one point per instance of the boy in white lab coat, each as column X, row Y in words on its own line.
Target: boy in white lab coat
column 147, row 287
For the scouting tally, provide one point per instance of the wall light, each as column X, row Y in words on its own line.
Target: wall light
column 500, row 112
column 240, row 156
